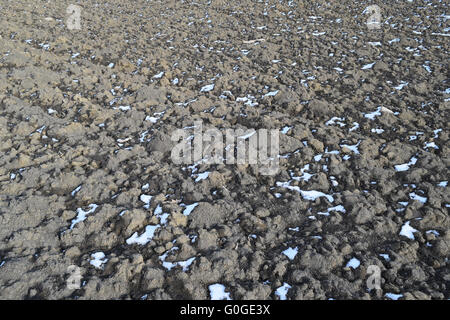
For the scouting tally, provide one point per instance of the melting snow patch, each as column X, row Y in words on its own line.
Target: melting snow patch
column 408, row 231
column 401, row 85
column 82, row 215
column 189, row 208
column 393, row 296
column 123, row 108
column 207, row 88
column 405, row 166
column 166, row 264
column 271, row 94
column 170, row 265
column 377, row 131
column 249, row 100
column 285, row 130
column 394, row 40
column 336, row 120
column 338, row 208
column 443, row 184
column 144, row 238
column 305, row 175
column 353, row 148
column 355, row 126
column 74, row 192
column 431, row 145
column 282, row 291
column 151, row 119
column 372, row 115
column 98, row 259
column 415, row 196
column 159, row 214
column 368, row 66
column 385, row 256
column 146, row 199
column 427, row 68
column 202, row 176
column 353, row 263
column 290, row 253
column 436, row 233
column 217, row 292
column 308, row 195
column 186, row 264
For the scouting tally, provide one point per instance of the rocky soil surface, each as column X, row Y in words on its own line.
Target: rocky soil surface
column 87, row 182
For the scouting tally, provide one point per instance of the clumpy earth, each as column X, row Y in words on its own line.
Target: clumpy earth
column 92, row 206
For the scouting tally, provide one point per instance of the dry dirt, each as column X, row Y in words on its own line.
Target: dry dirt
column 86, row 118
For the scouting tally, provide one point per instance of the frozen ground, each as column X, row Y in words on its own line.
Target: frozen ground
column 87, row 183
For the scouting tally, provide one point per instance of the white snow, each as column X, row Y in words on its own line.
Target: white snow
column 338, row 208
column 368, row 66
column 353, row 263
column 385, row 256
column 435, row 232
column 207, row 88
column 308, row 195
column 123, row 108
column 401, row 85
column 415, row 196
column 393, row 296
column 146, row 199
column 82, row 215
column 285, row 130
column 377, row 130
column 431, row 145
column 151, row 119
column 144, row 238
column 290, row 253
column 98, row 259
column 186, row 264
column 405, row 166
column 355, row 126
column 75, row 191
column 372, row 115
column 336, row 120
column 443, row 183
column 394, row 40
column 202, row 176
column 271, row 94
column 353, row 148
column 189, row 208
column 217, row 292
column 305, row 175
column 282, row 291
column 408, row 231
